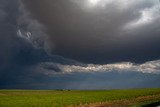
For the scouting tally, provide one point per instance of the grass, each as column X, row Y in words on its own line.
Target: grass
column 53, row 98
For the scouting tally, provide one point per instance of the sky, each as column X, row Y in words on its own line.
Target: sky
column 79, row 44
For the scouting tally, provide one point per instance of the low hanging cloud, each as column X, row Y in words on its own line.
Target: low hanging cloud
column 50, row 68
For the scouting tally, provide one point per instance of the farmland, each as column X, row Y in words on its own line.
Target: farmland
column 74, row 98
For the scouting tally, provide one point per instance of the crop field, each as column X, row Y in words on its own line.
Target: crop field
column 78, row 98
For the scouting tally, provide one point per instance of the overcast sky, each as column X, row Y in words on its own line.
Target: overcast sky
column 100, row 31
column 79, row 44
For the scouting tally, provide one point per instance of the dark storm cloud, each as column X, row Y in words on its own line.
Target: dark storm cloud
column 19, row 33
column 7, row 31
column 20, row 44
column 101, row 31
column 81, row 31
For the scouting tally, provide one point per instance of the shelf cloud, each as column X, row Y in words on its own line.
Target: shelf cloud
column 147, row 67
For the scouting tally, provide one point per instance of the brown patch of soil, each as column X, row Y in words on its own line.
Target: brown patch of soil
column 122, row 103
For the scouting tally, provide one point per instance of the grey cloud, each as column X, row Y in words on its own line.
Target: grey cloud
column 18, row 32
column 7, row 32
column 30, row 29
column 100, row 31
column 50, row 68
column 2, row 15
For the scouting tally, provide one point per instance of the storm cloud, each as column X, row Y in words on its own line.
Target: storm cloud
column 101, row 31
column 79, row 44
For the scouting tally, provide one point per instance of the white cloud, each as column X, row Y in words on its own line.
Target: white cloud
column 120, row 4
column 148, row 67
column 147, row 16
column 99, row 3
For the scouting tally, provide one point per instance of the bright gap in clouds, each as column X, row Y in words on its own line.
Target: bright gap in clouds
column 99, row 3
column 94, row 2
column 121, row 4
column 146, row 17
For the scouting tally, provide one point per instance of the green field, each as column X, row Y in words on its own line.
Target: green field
column 63, row 98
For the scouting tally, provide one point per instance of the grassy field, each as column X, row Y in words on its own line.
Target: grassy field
column 73, row 98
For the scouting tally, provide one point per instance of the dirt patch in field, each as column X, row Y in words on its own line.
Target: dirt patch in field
column 1, row 94
column 122, row 103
